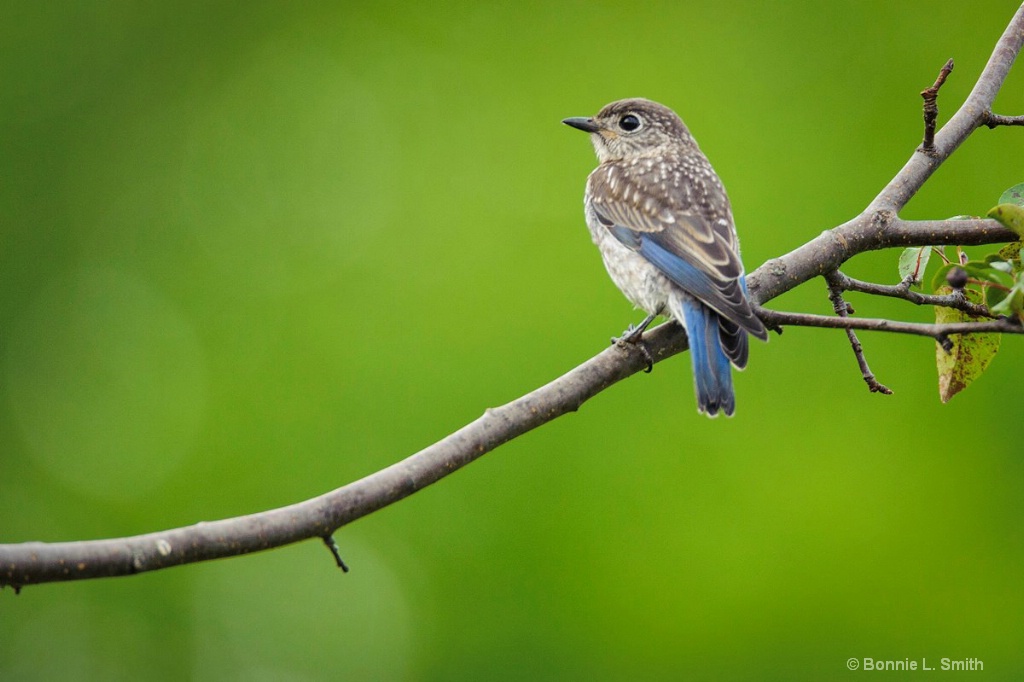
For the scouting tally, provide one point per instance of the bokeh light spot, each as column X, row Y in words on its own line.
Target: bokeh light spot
column 106, row 380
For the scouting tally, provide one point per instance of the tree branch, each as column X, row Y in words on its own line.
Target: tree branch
column 877, row 227
column 36, row 562
column 870, row 231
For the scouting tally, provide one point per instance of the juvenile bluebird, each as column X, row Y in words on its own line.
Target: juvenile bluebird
column 662, row 221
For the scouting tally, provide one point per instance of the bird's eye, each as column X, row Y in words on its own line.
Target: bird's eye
column 629, row 123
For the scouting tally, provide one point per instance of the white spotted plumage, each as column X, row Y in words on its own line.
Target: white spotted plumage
column 662, row 222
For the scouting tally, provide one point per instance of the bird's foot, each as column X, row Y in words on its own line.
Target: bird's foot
column 633, row 337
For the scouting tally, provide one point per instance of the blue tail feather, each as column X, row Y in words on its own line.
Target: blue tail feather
column 712, row 374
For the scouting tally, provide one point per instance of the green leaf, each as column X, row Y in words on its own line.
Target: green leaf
column 1014, row 195
column 998, row 263
column 939, row 280
column 913, row 261
column 993, row 297
column 1011, row 304
column 989, row 272
column 1011, row 216
column 970, row 354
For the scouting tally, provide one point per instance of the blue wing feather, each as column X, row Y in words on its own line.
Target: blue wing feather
column 687, row 276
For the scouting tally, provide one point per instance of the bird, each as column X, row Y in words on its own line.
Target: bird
column 662, row 220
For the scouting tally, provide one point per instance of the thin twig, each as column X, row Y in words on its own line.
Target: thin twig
column 931, row 108
column 995, row 120
column 335, row 552
column 939, row 332
column 956, row 300
column 843, row 309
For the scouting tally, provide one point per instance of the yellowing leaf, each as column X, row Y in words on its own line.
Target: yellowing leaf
column 1011, row 252
column 970, row 354
column 1011, row 216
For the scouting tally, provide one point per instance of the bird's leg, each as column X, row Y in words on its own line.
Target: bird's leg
column 634, row 332
column 632, row 337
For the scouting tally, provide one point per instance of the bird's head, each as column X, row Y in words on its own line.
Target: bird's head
column 633, row 127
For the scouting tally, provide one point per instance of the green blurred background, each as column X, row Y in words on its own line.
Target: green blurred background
column 252, row 251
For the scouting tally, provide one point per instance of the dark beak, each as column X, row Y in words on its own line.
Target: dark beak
column 587, row 125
